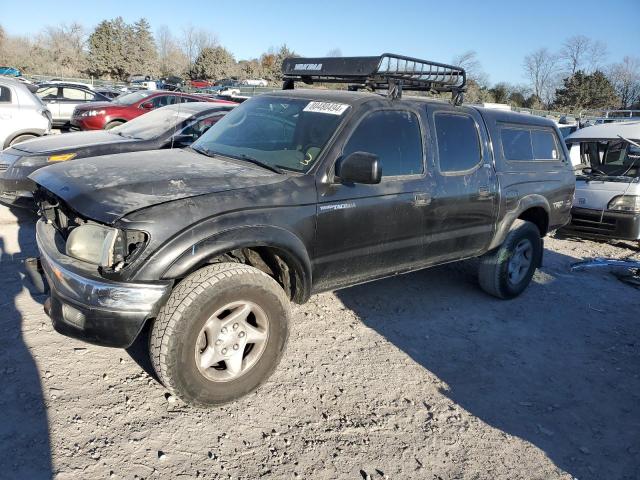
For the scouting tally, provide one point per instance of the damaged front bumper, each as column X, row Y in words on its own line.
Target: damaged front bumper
column 606, row 225
column 84, row 305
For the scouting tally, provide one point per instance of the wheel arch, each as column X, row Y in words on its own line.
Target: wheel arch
column 28, row 131
column 533, row 208
column 274, row 250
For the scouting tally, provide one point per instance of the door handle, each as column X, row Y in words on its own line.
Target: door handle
column 484, row 192
column 421, row 199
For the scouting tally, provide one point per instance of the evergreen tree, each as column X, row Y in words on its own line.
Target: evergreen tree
column 144, row 55
column 213, row 63
column 582, row 91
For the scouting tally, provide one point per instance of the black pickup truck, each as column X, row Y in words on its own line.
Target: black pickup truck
column 294, row 193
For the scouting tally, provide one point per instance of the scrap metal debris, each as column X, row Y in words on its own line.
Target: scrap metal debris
column 631, row 276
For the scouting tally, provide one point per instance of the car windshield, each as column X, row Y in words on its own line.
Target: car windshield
column 613, row 157
column 131, row 98
column 152, row 124
column 278, row 132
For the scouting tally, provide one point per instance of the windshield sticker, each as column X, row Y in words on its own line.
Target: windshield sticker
column 326, row 107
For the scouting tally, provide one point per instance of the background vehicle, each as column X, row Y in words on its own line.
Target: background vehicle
column 62, row 99
column 22, row 115
column 10, row 72
column 200, row 83
column 607, row 199
column 97, row 116
column 260, row 82
column 167, row 127
column 294, row 193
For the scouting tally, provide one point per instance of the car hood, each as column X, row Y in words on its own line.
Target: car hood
column 69, row 141
column 107, row 188
column 98, row 105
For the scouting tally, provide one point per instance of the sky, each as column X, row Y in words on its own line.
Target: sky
column 502, row 32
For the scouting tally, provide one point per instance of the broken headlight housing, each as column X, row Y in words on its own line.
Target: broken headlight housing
column 103, row 246
column 625, row 203
column 93, row 244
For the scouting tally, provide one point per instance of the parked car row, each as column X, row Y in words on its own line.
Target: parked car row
column 173, row 126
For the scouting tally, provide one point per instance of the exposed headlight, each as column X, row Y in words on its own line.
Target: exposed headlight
column 92, row 113
column 94, row 244
column 625, row 203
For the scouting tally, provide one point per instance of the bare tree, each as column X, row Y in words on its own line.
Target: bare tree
column 172, row 60
column 541, row 68
column 625, row 77
column 469, row 61
column 334, row 52
column 194, row 40
column 582, row 53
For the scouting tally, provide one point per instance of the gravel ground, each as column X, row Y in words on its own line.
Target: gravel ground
column 418, row 376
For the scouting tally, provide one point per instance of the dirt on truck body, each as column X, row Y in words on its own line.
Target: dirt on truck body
column 292, row 194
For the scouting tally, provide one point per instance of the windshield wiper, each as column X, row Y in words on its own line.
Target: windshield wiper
column 255, row 161
column 242, row 156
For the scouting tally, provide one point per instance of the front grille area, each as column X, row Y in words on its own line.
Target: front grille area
column 592, row 222
column 4, row 167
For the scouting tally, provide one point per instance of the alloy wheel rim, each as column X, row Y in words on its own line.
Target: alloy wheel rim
column 520, row 261
column 231, row 341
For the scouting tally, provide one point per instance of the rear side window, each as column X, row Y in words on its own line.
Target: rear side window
column 5, row 95
column 458, row 142
column 516, row 144
column 544, row 145
column 519, row 144
column 395, row 137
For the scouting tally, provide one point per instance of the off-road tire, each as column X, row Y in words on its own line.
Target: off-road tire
column 175, row 331
column 493, row 271
column 115, row 123
column 22, row 138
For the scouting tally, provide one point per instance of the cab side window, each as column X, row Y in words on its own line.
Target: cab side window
column 395, row 137
column 458, row 142
column 5, row 95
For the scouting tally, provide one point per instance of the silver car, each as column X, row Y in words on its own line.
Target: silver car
column 23, row 116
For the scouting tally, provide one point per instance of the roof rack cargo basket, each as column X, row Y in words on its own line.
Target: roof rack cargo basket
column 388, row 71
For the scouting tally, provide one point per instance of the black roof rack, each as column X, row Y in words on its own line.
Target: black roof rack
column 387, row 71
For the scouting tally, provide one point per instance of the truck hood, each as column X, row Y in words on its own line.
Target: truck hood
column 69, row 141
column 107, row 188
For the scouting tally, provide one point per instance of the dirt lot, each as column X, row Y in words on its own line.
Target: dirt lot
column 420, row 376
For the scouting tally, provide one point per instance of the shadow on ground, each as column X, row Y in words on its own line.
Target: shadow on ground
column 25, row 451
column 562, row 376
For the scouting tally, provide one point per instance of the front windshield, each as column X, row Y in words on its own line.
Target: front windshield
column 131, row 98
column 612, row 157
column 152, row 124
column 277, row 131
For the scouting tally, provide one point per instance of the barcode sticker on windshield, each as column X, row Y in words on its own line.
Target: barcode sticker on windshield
column 326, row 107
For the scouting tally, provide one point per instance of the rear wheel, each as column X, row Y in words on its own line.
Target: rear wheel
column 22, row 138
column 221, row 334
column 115, row 123
column 506, row 271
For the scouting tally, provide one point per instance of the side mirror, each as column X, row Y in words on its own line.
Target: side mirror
column 359, row 167
column 183, row 139
column 146, row 106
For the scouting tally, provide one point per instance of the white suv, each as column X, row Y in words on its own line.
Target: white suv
column 23, row 116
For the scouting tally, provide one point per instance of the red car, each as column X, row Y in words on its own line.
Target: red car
column 99, row 115
column 201, row 83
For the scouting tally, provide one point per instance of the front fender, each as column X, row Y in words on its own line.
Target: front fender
column 289, row 247
column 513, row 212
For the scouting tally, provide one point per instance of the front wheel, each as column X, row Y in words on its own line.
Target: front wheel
column 221, row 334
column 506, row 271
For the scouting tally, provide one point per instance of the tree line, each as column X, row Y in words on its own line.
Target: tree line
column 575, row 77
